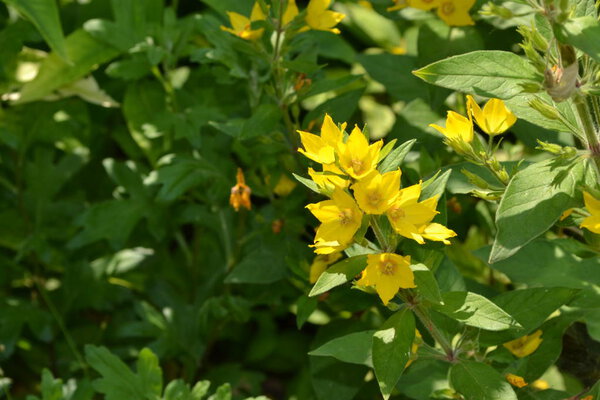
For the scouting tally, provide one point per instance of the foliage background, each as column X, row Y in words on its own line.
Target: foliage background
column 116, row 168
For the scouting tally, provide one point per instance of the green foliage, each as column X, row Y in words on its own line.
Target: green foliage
column 127, row 273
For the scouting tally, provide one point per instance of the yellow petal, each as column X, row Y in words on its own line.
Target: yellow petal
column 591, row 203
column 257, row 13
column 516, row 380
column 438, row 232
column 239, row 22
column 456, row 12
column 291, row 11
column 424, row 4
column 526, row 345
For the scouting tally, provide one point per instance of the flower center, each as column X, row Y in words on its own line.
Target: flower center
column 447, row 8
column 387, row 268
column 396, row 213
column 374, row 199
column 345, row 216
column 357, row 165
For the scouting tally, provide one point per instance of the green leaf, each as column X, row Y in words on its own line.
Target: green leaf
column 51, row 388
column 305, row 307
column 391, row 349
column 519, row 105
column 338, row 274
column 475, row 310
column 340, row 108
column 582, row 33
column 309, row 183
column 395, row 158
column 393, row 71
column 530, row 307
column 486, row 73
column 149, row 372
column 354, row 348
column 117, row 382
column 533, row 366
column 534, row 200
column 478, row 381
column 85, row 53
column 261, row 266
column 44, row 15
column 435, row 186
column 426, row 284
column 182, row 174
column 200, row 390
column 223, row 393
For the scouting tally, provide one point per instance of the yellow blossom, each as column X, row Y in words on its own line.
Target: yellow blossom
column 319, row 18
column 516, row 380
column 526, row 345
column 322, row 148
column 241, row 24
column 284, row 186
column 438, row 233
column 240, row 193
column 458, row 128
column 356, row 156
column 376, row 193
column 408, row 216
column 320, row 264
column 455, row 12
column 424, row 4
column 566, row 214
column 494, row 119
column 540, row 384
column 592, row 222
column 387, row 272
column 330, row 178
column 340, row 218
column 291, row 11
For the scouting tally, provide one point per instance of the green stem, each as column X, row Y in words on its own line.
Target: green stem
column 587, row 125
column 61, row 325
column 226, row 241
column 383, row 243
column 438, row 336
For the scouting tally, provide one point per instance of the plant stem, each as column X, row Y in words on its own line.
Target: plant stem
column 587, row 125
column 61, row 325
column 438, row 336
column 383, row 243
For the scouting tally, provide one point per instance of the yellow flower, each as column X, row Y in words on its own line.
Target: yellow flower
column 494, row 119
column 424, row 4
column 438, row 233
column 340, row 219
column 526, row 345
column 240, row 193
column 592, row 222
column 540, row 384
column 241, row 24
column 458, row 128
column 330, row 178
column 320, row 264
column 516, row 380
column 284, row 186
column 356, row 156
column 322, row 148
column 455, row 12
column 408, row 216
column 319, row 18
column 376, row 193
column 387, row 272
column 291, row 11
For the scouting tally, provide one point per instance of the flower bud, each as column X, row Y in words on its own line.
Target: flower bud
column 544, row 108
column 475, row 179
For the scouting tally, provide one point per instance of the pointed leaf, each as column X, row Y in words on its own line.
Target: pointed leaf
column 338, row 274
column 354, row 348
column 391, row 349
column 478, row 381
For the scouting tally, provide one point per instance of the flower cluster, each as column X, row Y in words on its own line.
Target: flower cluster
column 493, row 119
column 360, row 194
column 318, row 17
column 452, row 12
